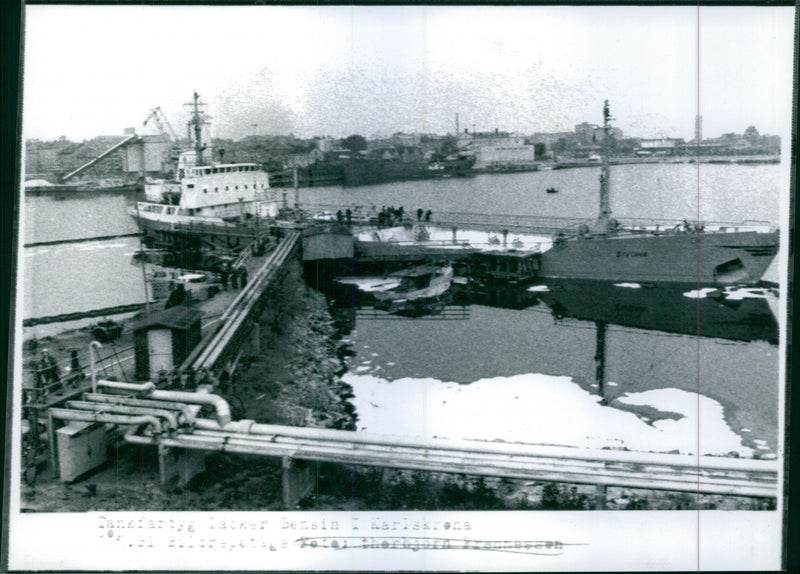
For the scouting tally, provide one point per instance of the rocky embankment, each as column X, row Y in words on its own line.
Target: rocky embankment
column 294, row 378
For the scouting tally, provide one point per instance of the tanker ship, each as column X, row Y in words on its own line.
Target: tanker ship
column 685, row 253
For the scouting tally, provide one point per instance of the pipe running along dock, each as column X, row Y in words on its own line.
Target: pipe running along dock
column 234, row 325
column 169, row 420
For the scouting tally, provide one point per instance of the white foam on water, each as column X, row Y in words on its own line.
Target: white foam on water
column 699, row 294
column 745, row 293
column 628, row 285
column 550, row 410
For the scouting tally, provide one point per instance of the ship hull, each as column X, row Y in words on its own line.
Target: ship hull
column 708, row 258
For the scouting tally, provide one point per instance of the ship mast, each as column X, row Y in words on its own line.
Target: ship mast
column 196, row 123
column 603, row 218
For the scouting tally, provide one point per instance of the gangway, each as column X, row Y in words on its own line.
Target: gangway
column 234, row 325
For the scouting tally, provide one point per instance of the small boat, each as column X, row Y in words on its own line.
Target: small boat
column 420, row 282
column 552, row 190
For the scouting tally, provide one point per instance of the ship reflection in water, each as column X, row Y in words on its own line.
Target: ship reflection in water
column 736, row 314
column 730, row 313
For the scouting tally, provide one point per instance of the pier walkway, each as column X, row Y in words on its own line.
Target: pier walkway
column 234, row 325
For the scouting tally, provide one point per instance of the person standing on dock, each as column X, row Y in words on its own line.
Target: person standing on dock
column 419, row 214
column 428, row 215
column 177, row 297
column 39, row 386
column 51, row 371
column 349, row 216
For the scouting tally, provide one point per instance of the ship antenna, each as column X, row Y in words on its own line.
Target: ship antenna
column 197, row 123
column 603, row 219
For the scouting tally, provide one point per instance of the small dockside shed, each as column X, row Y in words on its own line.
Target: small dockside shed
column 163, row 339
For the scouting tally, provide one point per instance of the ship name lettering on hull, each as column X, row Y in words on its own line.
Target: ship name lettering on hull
column 631, row 253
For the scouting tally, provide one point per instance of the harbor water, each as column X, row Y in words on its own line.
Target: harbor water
column 498, row 373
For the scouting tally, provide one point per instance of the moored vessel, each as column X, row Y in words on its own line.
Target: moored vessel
column 689, row 253
column 214, row 193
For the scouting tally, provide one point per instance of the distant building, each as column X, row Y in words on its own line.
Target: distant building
column 155, row 150
column 497, row 149
column 660, row 146
column 405, row 140
column 327, row 144
column 591, row 134
column 42, row 157
column 75, row 155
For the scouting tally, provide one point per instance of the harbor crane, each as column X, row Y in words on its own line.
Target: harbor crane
column 161, row 122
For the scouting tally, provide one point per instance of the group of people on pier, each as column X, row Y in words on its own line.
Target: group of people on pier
column 386, row 217
column 47, row 374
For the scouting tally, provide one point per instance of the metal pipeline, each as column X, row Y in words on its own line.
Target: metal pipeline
column 135, row 387
column 187, row 411
column 69, row 415
column 170, row 417
column 92, row 359
column 219, row 404
column 211, row 444
column 511, row 449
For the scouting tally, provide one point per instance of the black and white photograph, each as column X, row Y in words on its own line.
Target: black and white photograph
column 401, row 288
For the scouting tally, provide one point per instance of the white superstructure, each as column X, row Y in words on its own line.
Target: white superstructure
column 214, row 192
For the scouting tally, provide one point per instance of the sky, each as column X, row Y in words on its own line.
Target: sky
column 377, row 70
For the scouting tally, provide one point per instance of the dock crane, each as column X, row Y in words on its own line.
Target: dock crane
column 161, row 122
column 158, row 117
